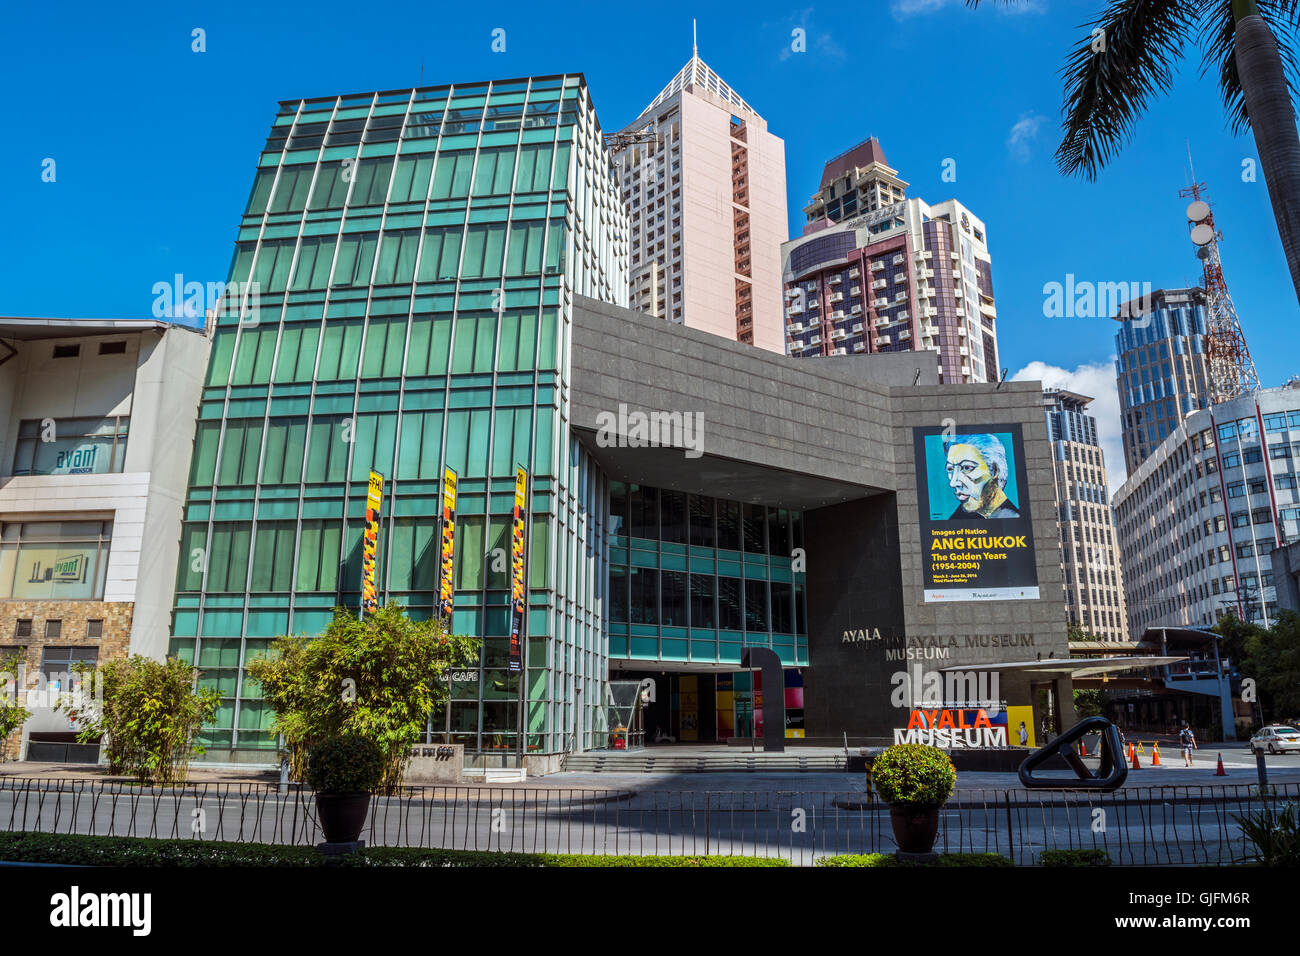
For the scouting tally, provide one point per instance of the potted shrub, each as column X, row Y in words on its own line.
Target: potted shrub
column 915, row 780
column 344, row 771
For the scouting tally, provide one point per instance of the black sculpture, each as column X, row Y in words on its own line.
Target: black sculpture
column 773, row 694
column 1110, row 775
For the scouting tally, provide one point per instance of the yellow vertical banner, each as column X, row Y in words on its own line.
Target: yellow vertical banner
column 370, row 546
column 688, row 698
column 446, row 580
column 518, row 591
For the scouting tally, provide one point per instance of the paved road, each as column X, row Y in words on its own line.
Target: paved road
column 1240, row 767
column 1174, row 825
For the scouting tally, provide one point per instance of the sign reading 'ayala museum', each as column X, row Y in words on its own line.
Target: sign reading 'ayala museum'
column 977, row 538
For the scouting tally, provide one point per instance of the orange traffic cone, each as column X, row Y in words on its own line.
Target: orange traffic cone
column 1083, row 749
column 1220, row 772
column 1155, row 755
column 1133, row 754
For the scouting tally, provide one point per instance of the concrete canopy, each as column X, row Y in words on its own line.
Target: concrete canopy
column 766, row 428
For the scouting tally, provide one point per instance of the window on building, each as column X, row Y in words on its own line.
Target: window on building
column 703, row 602
column 673, row 599
column 71, row 446
column 730, row 617
column 54, row 560
column 59, row 663
column 702, row 534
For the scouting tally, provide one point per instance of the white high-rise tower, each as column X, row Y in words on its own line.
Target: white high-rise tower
column 704, row 185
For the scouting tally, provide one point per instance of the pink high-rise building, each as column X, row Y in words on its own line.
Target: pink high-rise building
column 876, row 271
column 704, row 185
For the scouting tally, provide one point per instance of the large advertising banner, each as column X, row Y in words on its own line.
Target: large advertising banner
column 518, row 593
column 370, row 543
column 446, row 562
column 973, row 508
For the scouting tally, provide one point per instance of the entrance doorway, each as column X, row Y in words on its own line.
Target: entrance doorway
column 711, row 707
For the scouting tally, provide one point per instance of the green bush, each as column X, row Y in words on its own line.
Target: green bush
column 974, row 859
column 12, row 714
column 888, row 859
column 378, row 677
column 914, row 775
column 1074, row 858
column 348, row 764
column 572, row 859
column 148, row 719
column 75, row 850
column 1274, row 833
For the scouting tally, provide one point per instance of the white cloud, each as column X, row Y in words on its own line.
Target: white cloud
column 907, row 8
column 902, row 9
column 823, row 43
column 1098, row 381
column 1024, row 134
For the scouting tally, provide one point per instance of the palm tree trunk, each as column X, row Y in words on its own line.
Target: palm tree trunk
column 1272, row 119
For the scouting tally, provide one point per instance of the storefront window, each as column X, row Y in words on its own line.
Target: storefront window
column 54, row 560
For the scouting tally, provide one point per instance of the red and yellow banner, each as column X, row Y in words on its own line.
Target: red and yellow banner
column 518, row 590
column 370, row 543
column 446, row 581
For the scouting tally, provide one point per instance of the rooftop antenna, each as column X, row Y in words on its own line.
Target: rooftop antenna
column 695, row 46
column 1232, row 372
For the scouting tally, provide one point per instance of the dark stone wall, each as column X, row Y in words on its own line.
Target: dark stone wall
column 854, row 586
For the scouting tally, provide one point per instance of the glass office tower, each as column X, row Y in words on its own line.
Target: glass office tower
column 416, row 254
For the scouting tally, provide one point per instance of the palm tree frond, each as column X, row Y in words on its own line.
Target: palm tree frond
column 1218, row 42
column 1112, row 76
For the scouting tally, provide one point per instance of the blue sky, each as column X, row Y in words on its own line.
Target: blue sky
column 155, row 144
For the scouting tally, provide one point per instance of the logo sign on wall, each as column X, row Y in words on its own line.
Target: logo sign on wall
column 446, row 583
column 83, row 459
column 958, row 728
column 517, row 594
column 977, row 533
column 370, row 543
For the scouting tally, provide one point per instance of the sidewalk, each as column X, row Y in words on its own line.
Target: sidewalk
column 1239, row 764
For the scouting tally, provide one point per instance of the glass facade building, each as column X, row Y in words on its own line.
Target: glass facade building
column 415, row 255
column 693, row 578
column 1161, row 369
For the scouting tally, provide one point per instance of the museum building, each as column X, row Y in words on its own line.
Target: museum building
column 436, row 279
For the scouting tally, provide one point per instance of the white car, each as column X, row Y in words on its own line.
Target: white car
column 1276, row 739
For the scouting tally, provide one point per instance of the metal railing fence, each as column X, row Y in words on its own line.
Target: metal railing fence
column 1178, row 825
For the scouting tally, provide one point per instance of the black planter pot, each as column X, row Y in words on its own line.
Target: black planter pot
column 915, row 828
column 342, row 815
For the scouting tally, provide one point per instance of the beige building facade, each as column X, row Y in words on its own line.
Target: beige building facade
column 98, row 423
column 1090, row 552
column 703, row 181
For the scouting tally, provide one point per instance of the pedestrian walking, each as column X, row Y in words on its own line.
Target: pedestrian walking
column 1187, row 741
